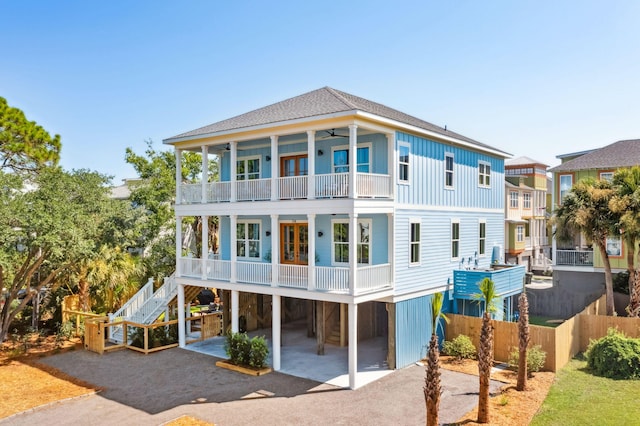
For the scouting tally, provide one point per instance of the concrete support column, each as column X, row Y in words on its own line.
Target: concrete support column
column 311, row 159
column 353, row 160
column 275, row 164
column 181, row 323
column 353, row 344
column 311, row 279
column 204, row 254
column 233, row 170
column 276, row 329
column 353, row 252
column 275, row 249
column 178, row 176
column 205, row 172
column 235, row 311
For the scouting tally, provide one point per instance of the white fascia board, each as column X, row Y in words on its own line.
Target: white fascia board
column 171, row 141
column 453, row 209
column 419, row 130
column 418, row 293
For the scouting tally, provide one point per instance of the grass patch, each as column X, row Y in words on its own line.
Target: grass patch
column 544, row 321
column 579, row 398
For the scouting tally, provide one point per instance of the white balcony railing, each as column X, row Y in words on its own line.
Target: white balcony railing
column 334, row 185
column 328, row 278
column 574, row 258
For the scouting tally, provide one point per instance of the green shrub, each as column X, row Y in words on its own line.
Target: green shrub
column 621, row 282
column 615, row 356
column 460, row 347
column 244, row 351
column 535, row 359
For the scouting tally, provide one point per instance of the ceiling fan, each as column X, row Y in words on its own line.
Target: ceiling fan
column 332, row 134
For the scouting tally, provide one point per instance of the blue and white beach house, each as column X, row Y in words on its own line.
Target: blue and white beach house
column 346, row 216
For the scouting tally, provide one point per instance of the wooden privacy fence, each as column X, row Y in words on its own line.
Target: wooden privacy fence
column 145, row 338
column 561, row 343
column 71, row 310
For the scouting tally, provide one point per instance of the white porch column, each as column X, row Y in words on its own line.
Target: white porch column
column 235, row 310
column 353, row 252
column 392, row 164
column 276, row 327
column 181, row 324
column 275, row 250
column 233, row 223
column 178, row 176
column 233, row 169
column 391, row 248
column 178, row 245
column 311, row 160
column 353, row 160
column 353, row 344
column 205, row 172
column 275, row 162
column 204, row 254
column 311, row 219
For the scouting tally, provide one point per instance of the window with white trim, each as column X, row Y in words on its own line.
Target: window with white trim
column 519, row 233
column 484, row 174
column 526, row 200
column 455, row 238
column 482, row 237
column 248, row 168
column 340, row 159
column 340, row 241
column 404, row 151
column 608, row 176
column 248, row 239
column 414, row 244
column 448, row 170
column 513, row 199
column 566, row 182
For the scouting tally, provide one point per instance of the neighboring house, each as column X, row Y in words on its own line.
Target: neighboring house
column 347, row 215
column 578, row 255
column 526, row 240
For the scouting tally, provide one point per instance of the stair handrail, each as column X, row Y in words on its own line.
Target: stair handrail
column 135, row 303
column 149, row 311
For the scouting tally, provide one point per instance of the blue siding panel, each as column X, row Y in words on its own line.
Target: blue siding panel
column 413, row 330
column 508, row 281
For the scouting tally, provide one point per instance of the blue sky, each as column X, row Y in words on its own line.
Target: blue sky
column 535, row 78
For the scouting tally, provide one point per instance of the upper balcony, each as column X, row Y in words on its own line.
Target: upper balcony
column 574, row 258
column 336, row 185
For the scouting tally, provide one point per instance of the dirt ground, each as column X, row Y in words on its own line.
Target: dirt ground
column 26, row 383
column 510, row 407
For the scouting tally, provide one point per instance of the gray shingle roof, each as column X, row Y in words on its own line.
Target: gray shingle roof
column 522, row 161
column 619, row 154
column 319, row 102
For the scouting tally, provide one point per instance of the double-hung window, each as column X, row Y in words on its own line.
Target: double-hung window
column 482, row 237
column 455, row 239
column 341, row 159
column 340, row 239
column 248, row 240
column 520, row 233
column 414, row 244
column 566, row 182
column 448, row 170
column 404, row 151
column 248, row 169
column 484, row 174
column 513, row 199
column 526, row 200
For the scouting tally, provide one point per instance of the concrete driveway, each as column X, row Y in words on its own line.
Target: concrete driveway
column 154, row 389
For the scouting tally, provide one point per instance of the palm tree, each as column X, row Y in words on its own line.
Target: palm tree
column 488, row 297
column 432, row 386
column 586, row 209
column 626, row 202
column 113, row 276
column 523, row 334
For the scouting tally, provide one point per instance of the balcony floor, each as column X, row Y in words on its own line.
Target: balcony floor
column 299, row 358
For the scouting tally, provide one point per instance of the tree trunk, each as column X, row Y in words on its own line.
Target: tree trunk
column 485, row 362
column 432, row 386
column 634, row 296
column 83, row 295
column 608, row 279
column 523, row 331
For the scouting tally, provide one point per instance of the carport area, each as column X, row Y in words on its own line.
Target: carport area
column 299, row 357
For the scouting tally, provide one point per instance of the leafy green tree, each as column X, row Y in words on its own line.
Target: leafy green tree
column 432, row 387
column 155, row 193
column 586, row 209
column 46, row 229
column 626, row 203
column 25, row 147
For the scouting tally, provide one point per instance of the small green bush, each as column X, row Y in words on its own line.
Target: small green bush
column 460, row 347
column 535, row 359
column 244, row 351
column 615, row 356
